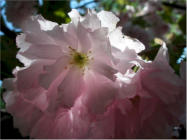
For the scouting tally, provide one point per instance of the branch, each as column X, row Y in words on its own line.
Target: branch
column 181, row 7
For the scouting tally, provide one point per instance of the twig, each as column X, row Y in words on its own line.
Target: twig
column 181, row 7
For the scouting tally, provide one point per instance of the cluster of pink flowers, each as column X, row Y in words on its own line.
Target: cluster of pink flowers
column 147, row 12
column 77, row 82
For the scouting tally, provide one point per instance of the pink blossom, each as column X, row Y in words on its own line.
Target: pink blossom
column 159, row 98
column 149, row 7
column 160, row 27
column 68, row 75
column 146, row 11
column 18, row 11
column 141, row 34
column 77, row 82
column 157, row 104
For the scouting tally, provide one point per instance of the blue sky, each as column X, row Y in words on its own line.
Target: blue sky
column 74, row 4
column 183, row 56
column 1, row 83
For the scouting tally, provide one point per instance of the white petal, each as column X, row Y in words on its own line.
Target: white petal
column 100, row 45
column 108, row 19
column 75, row 16
column 91, row 21
column 46, row 25
column 120, row 41
column 84, row 39
column 47, row 51
column 162, row 55
column 126, row 59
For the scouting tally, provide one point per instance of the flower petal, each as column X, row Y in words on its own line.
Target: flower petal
column 91, row 21
column 42, row 52
column 84, row 38
column 162, row 55
column 75, row 16
column 25, row 114
column 99, row 93
column 103, row 69
column 70, row 88
column 108, row 19
column 100, row 45
column 126, row 59
column 38, row 22
column 53, row 71
column 8, row 83
column 120, row 41
column 43, row 128
column 75, row 122
column 34, row 71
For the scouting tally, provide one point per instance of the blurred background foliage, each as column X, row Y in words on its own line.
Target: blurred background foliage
column 142, row 19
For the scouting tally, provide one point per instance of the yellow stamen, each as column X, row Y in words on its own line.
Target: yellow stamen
column 78, row 59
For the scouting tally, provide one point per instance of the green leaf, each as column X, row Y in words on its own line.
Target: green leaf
column 182, row 23
column 60, row 13
column 140, row 21
column 56, row 11
column 2, row 103
column 166, row 14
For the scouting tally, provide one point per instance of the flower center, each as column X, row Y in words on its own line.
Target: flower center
column 79, row 59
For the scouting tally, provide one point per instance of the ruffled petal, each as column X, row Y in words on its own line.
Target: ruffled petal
column 75, row 16
column 53, row 71
column 42, row 52
column 25, row 115
column 126, row 60
column 34, row 71
column 38, row 22
column 91, row 21
column 84, row 38
column 43, row 128
column 162, row 55
column 100, row 46
column 71, row 36
column 120, row 41
column 35, row 30
column 103, row 69
column 70, row 88
column 103, row 126
column 108, row 19
column 76, row 122
column 8, row 83
column 99, row 92
column 127, row 85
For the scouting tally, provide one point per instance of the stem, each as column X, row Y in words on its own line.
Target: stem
column 181, row 7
